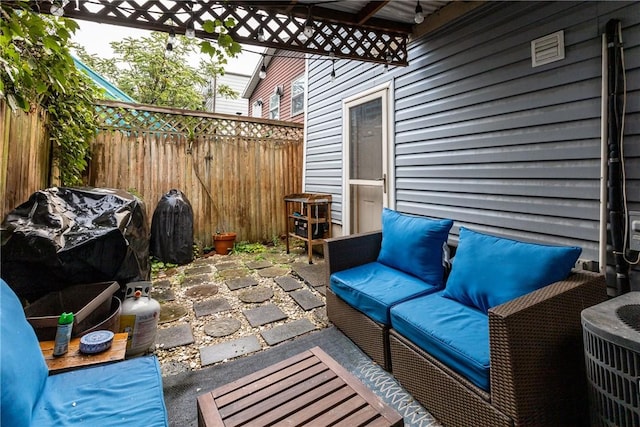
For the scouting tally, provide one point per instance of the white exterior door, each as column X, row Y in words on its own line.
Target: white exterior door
column 366, row 136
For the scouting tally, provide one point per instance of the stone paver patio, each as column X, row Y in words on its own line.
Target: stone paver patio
column 240, row 303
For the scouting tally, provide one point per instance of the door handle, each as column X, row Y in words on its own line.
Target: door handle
column 384, row 182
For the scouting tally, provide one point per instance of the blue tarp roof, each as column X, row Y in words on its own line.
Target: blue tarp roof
column 112, row 92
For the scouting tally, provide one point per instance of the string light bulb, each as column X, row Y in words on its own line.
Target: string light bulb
column 261, row 36
column 387, row 59
column 333, row 70
column 263, row 70
column 191, row 31
column 171, row 40
column 419, row 16
column 308, row 29
column 57, row 9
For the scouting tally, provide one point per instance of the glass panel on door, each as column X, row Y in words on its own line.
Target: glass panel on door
column 366, row 165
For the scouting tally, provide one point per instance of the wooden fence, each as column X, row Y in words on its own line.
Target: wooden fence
column 25, row 154
column 234, row 170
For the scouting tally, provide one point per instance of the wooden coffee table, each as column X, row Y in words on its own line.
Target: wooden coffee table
column 307, row 389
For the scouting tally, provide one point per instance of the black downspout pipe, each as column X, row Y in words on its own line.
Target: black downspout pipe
column 615, row 93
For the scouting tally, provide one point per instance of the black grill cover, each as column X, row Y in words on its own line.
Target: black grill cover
column 172, row 229
column 65, row 236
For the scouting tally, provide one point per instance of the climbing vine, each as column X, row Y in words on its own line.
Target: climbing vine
column 36, row 68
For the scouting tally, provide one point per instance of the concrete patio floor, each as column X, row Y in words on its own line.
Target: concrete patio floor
column 225, row 316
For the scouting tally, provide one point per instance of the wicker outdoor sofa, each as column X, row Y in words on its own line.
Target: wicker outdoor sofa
column 536, row 361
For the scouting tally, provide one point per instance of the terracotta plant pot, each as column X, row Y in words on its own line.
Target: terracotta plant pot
column 223, row 242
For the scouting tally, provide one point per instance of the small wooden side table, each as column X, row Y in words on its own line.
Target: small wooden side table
column 312, row 220
column 73, row 358
column 310, row 389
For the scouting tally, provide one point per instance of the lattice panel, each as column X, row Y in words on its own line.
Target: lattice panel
column 281, row 23
column 117, row 116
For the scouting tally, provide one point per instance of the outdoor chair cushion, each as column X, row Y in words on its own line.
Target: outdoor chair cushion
column 488, row 270
column 127, row 393
column 414, row 245
column 374, row 287
column 23, row 371
column 455, row 334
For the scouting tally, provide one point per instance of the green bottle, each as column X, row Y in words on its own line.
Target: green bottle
column 63, row 334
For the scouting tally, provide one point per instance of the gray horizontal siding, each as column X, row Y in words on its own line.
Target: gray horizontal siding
column 323, row 169
column 484, row 138
column 493, row 118
column 557, row 189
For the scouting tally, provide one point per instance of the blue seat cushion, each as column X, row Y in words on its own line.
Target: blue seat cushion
column 23, row 371
column 127, row 393
column 414, row 245
column 488, row 270
column 374, row 287
column 453, row 333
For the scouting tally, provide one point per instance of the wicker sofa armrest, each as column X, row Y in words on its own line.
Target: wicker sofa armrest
column 537, row 362
column 342, row 253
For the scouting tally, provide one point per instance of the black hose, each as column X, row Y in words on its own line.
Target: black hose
column 615, row 92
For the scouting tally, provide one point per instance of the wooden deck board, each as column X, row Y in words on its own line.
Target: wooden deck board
column 316, row 408
column 309, row 389
column 249, row 394
column 256, row 376
column 73, row 358
column 339, row 411
column 295, row 399
column 280, row 400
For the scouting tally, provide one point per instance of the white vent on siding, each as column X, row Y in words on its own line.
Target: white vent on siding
column 547, row 49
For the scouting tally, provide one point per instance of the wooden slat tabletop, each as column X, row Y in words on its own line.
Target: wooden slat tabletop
column 309, row 389
column 73, row 358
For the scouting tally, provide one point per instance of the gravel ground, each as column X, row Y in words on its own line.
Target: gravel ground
column 187, row 357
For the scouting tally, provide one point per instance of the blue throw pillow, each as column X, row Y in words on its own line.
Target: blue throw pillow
column 22, row 366
column 414, row 245
column 488, row 270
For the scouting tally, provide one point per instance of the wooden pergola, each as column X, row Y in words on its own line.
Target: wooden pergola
column 274, row 24
column 365, row 30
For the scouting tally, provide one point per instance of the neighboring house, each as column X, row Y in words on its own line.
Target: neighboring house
column 280, row 95
column 111, row 91
column 220, row 104
column 471, row 130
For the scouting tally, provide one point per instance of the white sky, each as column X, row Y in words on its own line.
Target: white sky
column 96, row 37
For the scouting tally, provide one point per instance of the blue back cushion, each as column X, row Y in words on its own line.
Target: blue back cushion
column 22, row 366
column 414, row 245
column 488, row 270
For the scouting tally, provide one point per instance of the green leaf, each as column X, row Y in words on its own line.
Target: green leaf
column 51, row 42
column 17, row 102
column 207, row 47
column 234, row 49
column 225, row 40
column 41, row 86
column 209, row 26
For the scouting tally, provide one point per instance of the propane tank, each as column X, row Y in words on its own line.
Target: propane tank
column 140, row 314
